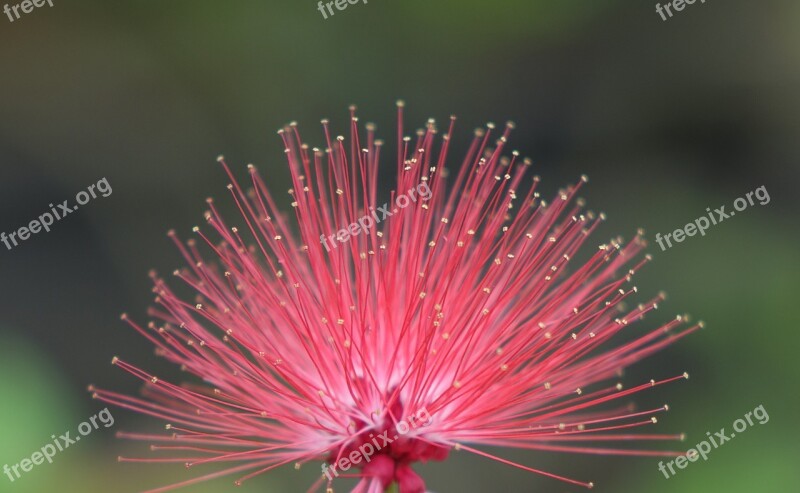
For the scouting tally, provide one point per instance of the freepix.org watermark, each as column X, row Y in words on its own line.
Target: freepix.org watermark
column 340, row 5
column 369, row 448
column 47, row 219
column 678, row 5
column 26, row 7
column 718, row 438
column 59, row 444
column 702, row 223
column 369, row 220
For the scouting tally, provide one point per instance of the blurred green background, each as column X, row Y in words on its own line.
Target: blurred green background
column 667, row 118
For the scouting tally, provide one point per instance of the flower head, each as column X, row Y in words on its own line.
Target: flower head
column 371, row 335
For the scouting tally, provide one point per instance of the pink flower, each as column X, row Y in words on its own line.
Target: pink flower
column 434, row 322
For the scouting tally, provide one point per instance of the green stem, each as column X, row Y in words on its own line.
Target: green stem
column 392, row 488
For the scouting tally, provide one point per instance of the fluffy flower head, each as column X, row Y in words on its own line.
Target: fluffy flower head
column 372, row 333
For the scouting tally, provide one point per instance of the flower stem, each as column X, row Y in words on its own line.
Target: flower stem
column 392, row 488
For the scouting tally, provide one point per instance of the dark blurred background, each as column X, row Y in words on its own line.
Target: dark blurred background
column 667, row 118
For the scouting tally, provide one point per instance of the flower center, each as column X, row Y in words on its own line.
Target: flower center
column 387, row 453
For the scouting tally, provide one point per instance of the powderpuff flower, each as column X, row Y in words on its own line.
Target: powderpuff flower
column 364, row 336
